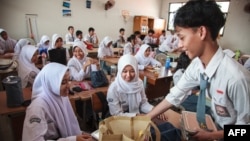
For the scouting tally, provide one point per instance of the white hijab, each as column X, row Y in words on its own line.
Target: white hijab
column 141, row 58
column 54, row 38
column 1, row 30
column 132, row 89
column 79, row 63
column 19, row 45
column 47, row 88
column 103, row 49
column 44, row 39
column 25, row 66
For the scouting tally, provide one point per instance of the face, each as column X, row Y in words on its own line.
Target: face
column 128, row 73
column 34, row 58
column 71, row 30
column 4, row 35
column 78, row 53
column 59, row 43
column 109, row 44
column 150, row 34
column 47, row 42
column 147, row 52
column 79, row 36
column 122, row 32
column 191, row 41
column 64, row 89
column 91, row 33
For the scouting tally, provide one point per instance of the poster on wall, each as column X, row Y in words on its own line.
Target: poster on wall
column 66, row 4
column 66, row 13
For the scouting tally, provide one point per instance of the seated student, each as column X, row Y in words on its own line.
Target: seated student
column 50, row 115
column 105, row 51
column 126, row 96
column 18, row 48
column 91, row 39
column 162, row 37
column 26, row 65
column 129, row 46
column 149, row 39
column 70, row 37
column 121, row 39
column 170, row 44
column 43, row 45
column 80, row 65
column 247, row 64
column 144, row 60
column 138, row 41
column 7, row 44
column 57, row 53
column 78, row 36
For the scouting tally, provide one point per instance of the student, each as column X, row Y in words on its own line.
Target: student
column 162, row 37
column 19, row 46
column 105, row 51
column 121, row 39
column 170, row 44
column 149, row 39
column 197, row 24
column 91, row 39
column 126, row 96
column 138, row 41
column 69, row 37
column 50, row 115
column 129, row 46
column 7, row 44
column 78, row 36
column 27, row 69
column 144, row 60
column 80, row 65
column 58, row 50
column 44, row 45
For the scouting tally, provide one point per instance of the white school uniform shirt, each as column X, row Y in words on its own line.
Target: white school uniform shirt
column 6, row 45
column 54, row 38
column 128, row 48
column 168, row 45
column 149, row 40
column 69, row 38
column 50, row 116
column 76, row 66
column 162, row 38
column 92, row 39
column 229, row 88
column 19, row 46
column 143, row 60
column 27, row 70
column 127, row 98
column 103, row 50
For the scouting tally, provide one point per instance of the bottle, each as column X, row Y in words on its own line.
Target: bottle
column 167, row 64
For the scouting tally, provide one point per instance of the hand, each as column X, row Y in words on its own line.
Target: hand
column 84, row 137
column 162, row 117
column 202, row 135
column 149, row 67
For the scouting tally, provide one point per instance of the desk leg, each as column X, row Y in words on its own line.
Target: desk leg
column 84, row 116
column 6, row 132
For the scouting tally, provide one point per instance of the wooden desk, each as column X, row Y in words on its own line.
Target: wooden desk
column 93, row 53
column 111, row 60
column 157, row 85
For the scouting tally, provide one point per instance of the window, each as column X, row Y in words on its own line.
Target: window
column 173, row 7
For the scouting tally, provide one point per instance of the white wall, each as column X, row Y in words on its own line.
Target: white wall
column 50, row 19
column 237, row 27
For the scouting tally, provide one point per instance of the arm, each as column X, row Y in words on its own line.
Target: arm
column 202, row 135
column 160, row 108
column 145, row 106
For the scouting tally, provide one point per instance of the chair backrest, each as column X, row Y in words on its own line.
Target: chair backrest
column 58, row 55
column 161, row 57
column 100, row 104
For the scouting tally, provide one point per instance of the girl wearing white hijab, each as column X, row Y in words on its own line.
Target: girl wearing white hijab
column 7, row 44
column 43, row 45
column 26, row 65
column 19, row 46
column 50, row 115
column 80, row 65
column 57, row 42
column 105, row 51
column 144, row 60
column 126, row 95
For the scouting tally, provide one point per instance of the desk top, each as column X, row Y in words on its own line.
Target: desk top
column 111, row 60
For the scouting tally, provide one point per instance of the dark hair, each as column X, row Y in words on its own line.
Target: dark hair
column 183, row 61
column 137, row 33
column 197, row 13
column 163, row 31
column 131, row 37
column 121, row 29
column 78, row 32
column 91, row 29
column 70, row 27
column 151, row 31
